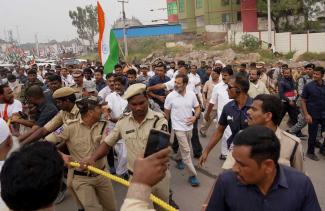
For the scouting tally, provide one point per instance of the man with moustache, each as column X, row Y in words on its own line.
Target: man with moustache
column 257, row 181
column 264, row 111
column 134, row 128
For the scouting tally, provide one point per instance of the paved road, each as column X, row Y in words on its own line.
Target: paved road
column 191, row 199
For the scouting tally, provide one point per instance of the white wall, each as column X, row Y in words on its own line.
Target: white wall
column 286, row 42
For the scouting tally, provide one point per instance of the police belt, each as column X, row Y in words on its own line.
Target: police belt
column 86, row 173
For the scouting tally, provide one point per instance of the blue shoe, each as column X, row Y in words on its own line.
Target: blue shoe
column 180, row 165
column 193, row 181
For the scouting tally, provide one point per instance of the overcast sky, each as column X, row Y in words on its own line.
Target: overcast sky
column 50, row 18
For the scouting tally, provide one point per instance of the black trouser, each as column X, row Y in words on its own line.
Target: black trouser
column 292, row 111
column 195, row 140
column 110, row 158
column 312, row 132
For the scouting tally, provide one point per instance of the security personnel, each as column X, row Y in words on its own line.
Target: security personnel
column 82, row 136
column 65, row 99
column 79, row 82
column 265, row 111
column 134, row 128
column 233, row 114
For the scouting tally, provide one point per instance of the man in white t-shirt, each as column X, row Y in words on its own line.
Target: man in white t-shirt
column 7, row 145
column 207, row 93
column 8, row 105
column 116, row 105
column 67, row 79
column 171, row 71
column 109, row 86
column 178, row 106
column 220, row 98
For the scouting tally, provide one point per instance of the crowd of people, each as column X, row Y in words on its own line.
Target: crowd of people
column 80, row 113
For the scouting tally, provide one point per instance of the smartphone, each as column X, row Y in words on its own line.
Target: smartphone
column 157, row 141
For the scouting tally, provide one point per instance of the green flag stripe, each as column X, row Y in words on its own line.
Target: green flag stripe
column 113, row 57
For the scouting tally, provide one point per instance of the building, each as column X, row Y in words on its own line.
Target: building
column 195, row 15
column 149, row 30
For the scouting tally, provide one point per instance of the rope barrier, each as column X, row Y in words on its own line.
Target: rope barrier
column 152, row 197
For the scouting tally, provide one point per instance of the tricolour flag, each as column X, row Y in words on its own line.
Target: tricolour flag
column 108, row 49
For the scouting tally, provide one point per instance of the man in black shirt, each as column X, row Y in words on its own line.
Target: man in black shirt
column 257, row 181
column 45, row 110
column 313, row 106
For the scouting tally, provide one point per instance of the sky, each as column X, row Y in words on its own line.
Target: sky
column 49, row 19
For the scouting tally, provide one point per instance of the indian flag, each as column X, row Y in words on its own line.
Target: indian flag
column 108, row 49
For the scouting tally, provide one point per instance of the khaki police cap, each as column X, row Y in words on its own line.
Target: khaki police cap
column 77, row 73
column 63, row 92
column 134, row 90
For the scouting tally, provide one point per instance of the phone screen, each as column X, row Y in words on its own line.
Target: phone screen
column 157, row 141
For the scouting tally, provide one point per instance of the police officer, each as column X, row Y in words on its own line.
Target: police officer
column 79, row 82
column 82, row 136
column 65, row 99
column 264, row 111
column 134, row 128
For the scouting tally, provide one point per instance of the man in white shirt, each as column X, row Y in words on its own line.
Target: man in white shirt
column 207, row 93
column 109, row 86
column 220, row 98
column 8, row 105
column 171, row 71
column 256, row 86
column 67, row 79
column 7, row 145
column 191, row 87
column 116, row 105
column 178, row 106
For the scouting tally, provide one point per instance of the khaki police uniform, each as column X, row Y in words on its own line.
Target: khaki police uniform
column 55, row 124
column 78, row 89
column 291, row 153
column 136, row 137
column 95, row 192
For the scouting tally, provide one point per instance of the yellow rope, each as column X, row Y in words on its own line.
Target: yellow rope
column 153, row 198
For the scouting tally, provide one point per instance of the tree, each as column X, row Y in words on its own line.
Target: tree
column 85, row 20
column 291, row 15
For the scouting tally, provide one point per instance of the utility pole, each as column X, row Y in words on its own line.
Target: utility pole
column 36, row 42
column 18, row 35
column 126, row 53
column 269, row 24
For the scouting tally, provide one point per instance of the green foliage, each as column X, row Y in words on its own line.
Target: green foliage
column 85, row 20
column 267, row 55
column 249, row 42
column 312, row 56
column 289, row 55
column 282, row 12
